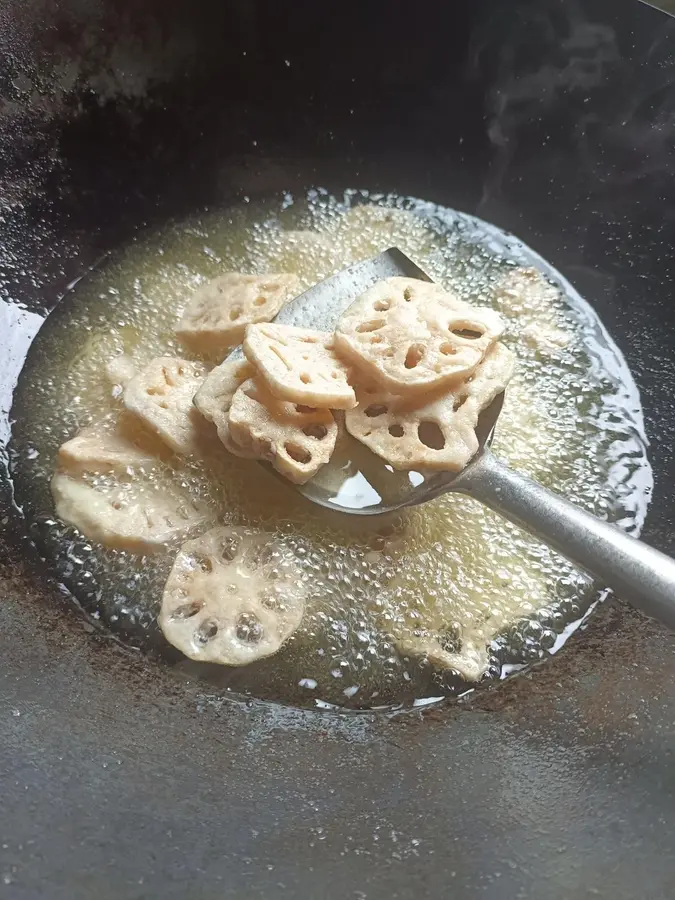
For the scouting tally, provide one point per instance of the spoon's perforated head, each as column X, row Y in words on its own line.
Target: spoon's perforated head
column 357, row 481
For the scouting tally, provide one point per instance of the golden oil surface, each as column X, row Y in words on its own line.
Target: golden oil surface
column 453, row 568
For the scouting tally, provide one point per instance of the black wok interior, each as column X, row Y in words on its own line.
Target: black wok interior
column 550, row 118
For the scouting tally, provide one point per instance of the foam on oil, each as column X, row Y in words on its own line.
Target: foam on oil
column 451, row 569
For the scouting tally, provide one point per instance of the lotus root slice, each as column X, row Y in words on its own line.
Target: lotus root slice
column 297, row 440
column 214, row 399
column 412, row 336
column 300, row 365
column 437, row 435
column 234, row 595
column 217, row 314
column 161, row 396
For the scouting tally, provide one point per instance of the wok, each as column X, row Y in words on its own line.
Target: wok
column 551, row 119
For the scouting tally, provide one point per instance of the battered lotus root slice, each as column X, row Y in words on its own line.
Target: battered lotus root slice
column 161, row 396
column 299, row 365
column 119, row 371
column 471, row 661
column 141, row 518
column 439, row 435
column 296, row 439
column 412, row 336
column 219, row 311
column 526, row 292
column 233, row 596
column 101, row 449
column 214, row 399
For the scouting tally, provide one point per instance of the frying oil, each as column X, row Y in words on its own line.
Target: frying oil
column 378, row 587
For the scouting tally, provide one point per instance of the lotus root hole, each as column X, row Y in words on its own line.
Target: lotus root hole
column 471, row 334
column 268, row 554
column 279, row 353
column 381, row 305
column 249, row 630
column 260, row 301
column 414, row 356
column 316, row 431
column 451, row 640
column 376, row 339
column 229, row 549
column 373, row 325
column 459, row 401
column 235, row 312
column 206, row 631
column 431, row 435
column 375, row 409
column 447, row 349
column 203, row 563
column 308, row 410
column 407, row 294
column 298, row 453
column 305, row 378
column 269, row 600
column 186, row 610
column 396, row 430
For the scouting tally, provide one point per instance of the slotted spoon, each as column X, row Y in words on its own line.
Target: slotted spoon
column 359, row 483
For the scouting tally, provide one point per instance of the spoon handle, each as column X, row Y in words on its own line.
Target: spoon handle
column 634, row 571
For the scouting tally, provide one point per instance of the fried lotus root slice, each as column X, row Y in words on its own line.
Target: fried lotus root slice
column 219, row 311
column 296, row 439
column 547, row 339
column 100, row 448
column 439, row 435
column 214, row 399
column 470, row 661
column 299, row 365
column 233, row 596
column 161, row 396
column 526, row 292
column 412, row 336
column 120, row 370
column 526, row 295
column 130, row 516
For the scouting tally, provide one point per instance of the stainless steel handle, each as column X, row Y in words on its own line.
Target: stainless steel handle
column 635, row 572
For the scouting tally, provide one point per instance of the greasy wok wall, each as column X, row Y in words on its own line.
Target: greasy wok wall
column 551, row 118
